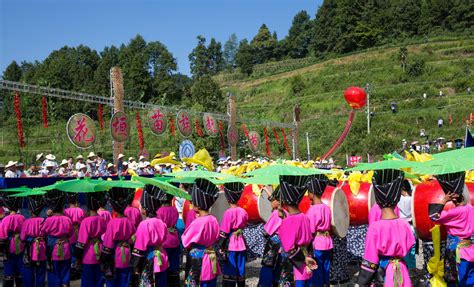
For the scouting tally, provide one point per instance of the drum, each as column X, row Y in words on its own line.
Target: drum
column 424, row 194
column 305, row 204
column 258, row 208
column 219, row 207
column 470, row 189
column 186, row 208
column 360, row 204
column 337, row 201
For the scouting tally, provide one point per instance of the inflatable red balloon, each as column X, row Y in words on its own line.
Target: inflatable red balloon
column 355, row 97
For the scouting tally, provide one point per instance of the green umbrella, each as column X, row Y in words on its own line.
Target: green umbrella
column 17, row 189
column 263, row 179
column 283, row 169
column 121, row 183
column 228, row 178
column 199, row 174
column 385, row 164
column 35, row 191
column 78, row 185
column 467, row 153
column 443, row 166
column 165, row 186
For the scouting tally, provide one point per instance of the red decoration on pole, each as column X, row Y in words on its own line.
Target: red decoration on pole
column 44, row 110
column 172, row 126
column 198, row 128
column 100, row 116
column 267, row 145
column 355, row 97
column 141, row 140
column 19, row 125
column 222, row 135
column 275, row 133
column 285, row 141
column 246, row 132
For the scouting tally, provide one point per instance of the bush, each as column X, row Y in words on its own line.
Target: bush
column 297, row 86
column 416, row 68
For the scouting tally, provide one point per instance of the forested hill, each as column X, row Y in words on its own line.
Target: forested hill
column 403, row 48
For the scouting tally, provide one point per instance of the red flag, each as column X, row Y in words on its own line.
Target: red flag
column 198, row 128
column 285, row 141
column 275, row 133
column 44, row 109
column 267, row 145
column 244, row 128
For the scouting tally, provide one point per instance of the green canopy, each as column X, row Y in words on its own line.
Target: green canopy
column 78, row 185
column 121, row 183
column 448, row 162
column 34, row 191
column 385, row 164
column 17, row 189
column 165, row 186
column 199, row 174
column 283, row 169
column 263, row 179
column 461, row 153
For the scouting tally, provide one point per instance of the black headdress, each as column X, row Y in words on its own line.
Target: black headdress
column 36, row 204
column 72, row 198
column 233, row 191
column 55, row 200
column 387, row 185
column 406, row 186
column 204, row 194
column 317, row 184
column 293, row 188
column 12, row 203
column 120, row 198
column 276, row 194
column 452, row 182
column 163, row 196
column 95, row 200
column 150, row 200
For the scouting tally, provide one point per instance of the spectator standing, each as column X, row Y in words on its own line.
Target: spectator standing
column 80, row 161
column 11, row 169
column 90, row 163
column 440, row 122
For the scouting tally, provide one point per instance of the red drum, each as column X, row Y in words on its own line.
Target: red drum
column 337, row 201
column 470, row 189
column 258, row 208
column 305, row 204
column 424, row 194
column 219, row 207
column 360, row 204
column 186, row 208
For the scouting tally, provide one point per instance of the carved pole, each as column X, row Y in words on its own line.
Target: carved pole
column 117, row 93
column 296, row 129
column 232, row 113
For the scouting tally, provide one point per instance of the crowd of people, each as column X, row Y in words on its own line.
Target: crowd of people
column 145, row 246
column 95, row 165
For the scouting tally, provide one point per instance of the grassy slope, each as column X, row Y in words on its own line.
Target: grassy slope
column 324, row 111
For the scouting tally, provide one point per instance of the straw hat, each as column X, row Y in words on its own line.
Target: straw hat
column 39, row 156
column 121, row 155
column 79, row 157
column 63, row 162
column 50, row 157
column 110, row 165
column 49, row 164
column 11, row 163
column 91, row 154
column 141, row 158
column 82, row 166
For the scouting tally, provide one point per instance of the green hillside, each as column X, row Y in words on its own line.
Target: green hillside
column 318, row 87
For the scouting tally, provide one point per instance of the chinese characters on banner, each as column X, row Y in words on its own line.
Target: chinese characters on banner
column 232, row 135
column 119, row 127
column 210, row 124
column 353, row 160
column 184, row 123
column 81, row 130
column 157, row 121
column 254, row 141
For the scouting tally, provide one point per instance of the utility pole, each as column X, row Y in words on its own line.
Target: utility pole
column 307, row 145
column 368, row 89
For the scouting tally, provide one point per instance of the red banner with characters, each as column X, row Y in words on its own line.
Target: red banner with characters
column 157, row 121
column 184, row 123
column 254, row 141
column 81, row 130
column 210, row 125
column 119, row 127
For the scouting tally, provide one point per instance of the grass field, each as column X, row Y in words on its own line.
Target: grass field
column 270, row 94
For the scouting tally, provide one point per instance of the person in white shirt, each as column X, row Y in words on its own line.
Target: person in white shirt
column 80, row 161
column 11, row 169
column 82, row 171
column 405, row 203
column 50, row 170
column 91, row 163
column 63, row 171
column 50, row 160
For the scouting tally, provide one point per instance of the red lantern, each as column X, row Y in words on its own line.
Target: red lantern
column 355, row 97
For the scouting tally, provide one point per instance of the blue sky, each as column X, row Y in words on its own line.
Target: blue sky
column 31, row 29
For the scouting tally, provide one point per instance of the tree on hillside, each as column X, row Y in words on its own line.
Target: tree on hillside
column 244, row 57
column 208, row 94
column 199, row 58
column 230, row 50
column 133, row 60
column 263, row 45
column 216, row 60
column 12, row 72
column 299, row 36
column 109, row 58
column 325, row 27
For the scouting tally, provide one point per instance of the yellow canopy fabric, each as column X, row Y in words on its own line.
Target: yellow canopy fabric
column 202, row 157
